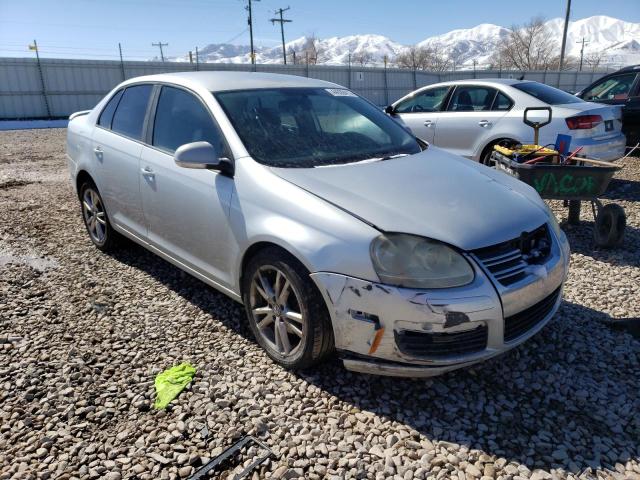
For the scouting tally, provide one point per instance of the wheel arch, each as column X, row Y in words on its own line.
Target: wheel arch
column 489, row 145
column 259, row 246
column 81, row 177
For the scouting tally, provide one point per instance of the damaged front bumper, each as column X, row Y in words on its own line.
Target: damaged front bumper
column 386, row 330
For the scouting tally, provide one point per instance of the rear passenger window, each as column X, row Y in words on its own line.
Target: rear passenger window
column 129, row 117
column 471, row 99
column 502, row 102
column 182, row 118
column 107, row 113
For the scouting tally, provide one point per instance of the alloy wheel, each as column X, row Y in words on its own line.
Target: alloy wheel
column 94, row 215
column 275, row 306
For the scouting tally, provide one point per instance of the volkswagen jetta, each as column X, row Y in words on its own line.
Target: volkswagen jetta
column 337, row 229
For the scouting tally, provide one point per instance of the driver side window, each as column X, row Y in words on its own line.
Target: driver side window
column 181, row 118
column 614, row 88
column 426, row 101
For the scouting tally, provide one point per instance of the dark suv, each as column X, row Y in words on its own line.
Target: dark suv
column 620, row 88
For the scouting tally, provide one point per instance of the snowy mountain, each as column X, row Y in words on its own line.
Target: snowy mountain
column 618, row 42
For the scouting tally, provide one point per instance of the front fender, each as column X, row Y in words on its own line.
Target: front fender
column 267, row 208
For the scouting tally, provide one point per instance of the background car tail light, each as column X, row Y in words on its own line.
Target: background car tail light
column 583, row 121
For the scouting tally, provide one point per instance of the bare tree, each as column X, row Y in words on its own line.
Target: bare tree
column 430, row 57
column 594, row 59
column 311, row 51
column 530, row 47
column 362, row 58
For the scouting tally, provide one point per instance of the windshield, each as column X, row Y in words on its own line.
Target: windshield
column 313, row 127
column 547, row 94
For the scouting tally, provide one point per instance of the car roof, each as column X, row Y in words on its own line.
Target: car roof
column 629, row 68
column 222, row 81
column 482, row 81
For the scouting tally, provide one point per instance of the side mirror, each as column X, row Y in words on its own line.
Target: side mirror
column 389, row 110
column 202, row 155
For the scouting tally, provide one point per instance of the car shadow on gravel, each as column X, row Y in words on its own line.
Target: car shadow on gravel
column 581, row 241
column 561, row 400
column 564, row 399
column 623, row 189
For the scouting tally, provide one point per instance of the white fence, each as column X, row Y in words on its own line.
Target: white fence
column 59, row 87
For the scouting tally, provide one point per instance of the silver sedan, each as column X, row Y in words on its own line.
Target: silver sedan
column 469, row 117
column 336, row 228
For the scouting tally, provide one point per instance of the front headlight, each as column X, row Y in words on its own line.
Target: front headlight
column 553, row 221
column 410, row 261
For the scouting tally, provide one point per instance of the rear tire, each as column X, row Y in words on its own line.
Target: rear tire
column 286, row 312
column 96, row 220
column 485, row 156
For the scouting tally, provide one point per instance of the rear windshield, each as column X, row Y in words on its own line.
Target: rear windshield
column 547, row 94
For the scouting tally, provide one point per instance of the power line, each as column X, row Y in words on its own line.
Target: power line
column 160, row 45
column 282, row 21
column 250, row 22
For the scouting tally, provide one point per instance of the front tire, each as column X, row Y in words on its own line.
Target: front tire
column 287, row 314
column 95, row 217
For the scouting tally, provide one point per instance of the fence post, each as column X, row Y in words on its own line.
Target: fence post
column 44, row 90
column 121, row 62
column 349, row 72
column 307, row 61
column 386, row 85
column 415, row 79
column 575, row 82
column 197, row 60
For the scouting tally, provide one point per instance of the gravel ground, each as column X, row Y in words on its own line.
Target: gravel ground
column 83, row 334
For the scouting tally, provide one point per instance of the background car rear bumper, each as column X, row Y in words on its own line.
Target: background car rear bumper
column 609, row 149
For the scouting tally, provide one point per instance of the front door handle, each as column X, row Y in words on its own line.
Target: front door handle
column 147, row 172
column 484, row 123
column 98, row 150
column 428, row 123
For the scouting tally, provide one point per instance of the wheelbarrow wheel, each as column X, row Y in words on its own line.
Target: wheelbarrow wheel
column 610, row 223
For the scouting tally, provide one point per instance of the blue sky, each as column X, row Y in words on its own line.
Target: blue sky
column 82, row 28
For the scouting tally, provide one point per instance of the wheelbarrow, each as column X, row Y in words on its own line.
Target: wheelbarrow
column 572, row 179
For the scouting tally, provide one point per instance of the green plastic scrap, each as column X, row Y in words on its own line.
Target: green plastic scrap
column 171, row 382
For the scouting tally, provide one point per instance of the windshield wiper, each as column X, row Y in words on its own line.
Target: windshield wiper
column 366, row 160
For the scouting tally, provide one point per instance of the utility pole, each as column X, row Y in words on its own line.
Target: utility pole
column 121, row 62
column 250, row 22
column 582, row 52
column 564, row 33
column 282, row 21
column 160, row 45
column 44, row 89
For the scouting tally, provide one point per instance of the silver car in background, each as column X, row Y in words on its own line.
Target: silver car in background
column 333, row 225
column 469, row 117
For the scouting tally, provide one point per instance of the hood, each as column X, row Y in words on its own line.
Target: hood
column 433, row 194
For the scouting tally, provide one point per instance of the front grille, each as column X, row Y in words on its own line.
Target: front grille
column 523, row 321
column 507, row 261
column 439, row 344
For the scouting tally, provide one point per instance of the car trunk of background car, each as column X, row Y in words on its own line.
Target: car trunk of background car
column 591, row 126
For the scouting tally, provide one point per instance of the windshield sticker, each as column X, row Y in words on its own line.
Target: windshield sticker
column 340, row 92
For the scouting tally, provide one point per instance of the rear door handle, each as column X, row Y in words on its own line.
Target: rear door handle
column 147, row 172
column 428, row 123
column 484, row 123
column 98, row 150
